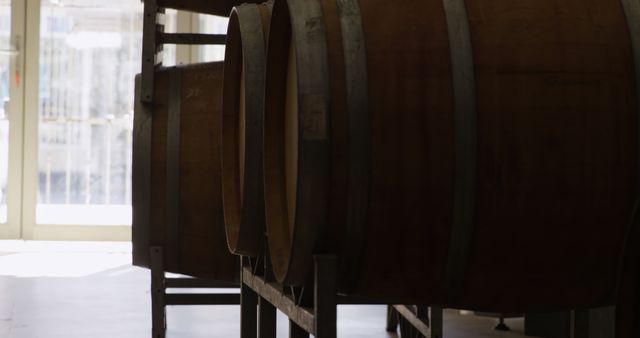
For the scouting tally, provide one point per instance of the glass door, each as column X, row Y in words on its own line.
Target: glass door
column 11, row 118
column 80, row 120
column 67, row 71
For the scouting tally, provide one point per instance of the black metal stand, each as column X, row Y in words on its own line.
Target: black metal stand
column 160, row 298
column 313, row 309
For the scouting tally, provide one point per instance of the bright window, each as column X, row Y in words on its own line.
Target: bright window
column 211, row 24
column 89, row 55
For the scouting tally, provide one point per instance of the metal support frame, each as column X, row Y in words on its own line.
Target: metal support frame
column 312, row 310
column 160, row 298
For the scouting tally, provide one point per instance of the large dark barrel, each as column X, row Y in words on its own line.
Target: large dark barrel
column 472, row 154
column 243, row 102
column 177, row 194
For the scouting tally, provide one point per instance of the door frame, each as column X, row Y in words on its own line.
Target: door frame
column 12, row 228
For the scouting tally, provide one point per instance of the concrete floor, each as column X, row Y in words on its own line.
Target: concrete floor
column 90, row 290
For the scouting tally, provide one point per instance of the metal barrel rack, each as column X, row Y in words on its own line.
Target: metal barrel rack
column 312, row 309
column 153, row 39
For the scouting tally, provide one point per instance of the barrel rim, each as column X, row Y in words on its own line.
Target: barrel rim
column 307, row 32
column 245, row 56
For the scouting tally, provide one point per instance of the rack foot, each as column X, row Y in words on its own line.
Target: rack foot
column 266, row 319
column 158, row 301
column 248, row 312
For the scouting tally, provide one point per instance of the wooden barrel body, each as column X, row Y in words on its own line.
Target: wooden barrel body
column 472, row 154
column 243, row 109
column 177, row 194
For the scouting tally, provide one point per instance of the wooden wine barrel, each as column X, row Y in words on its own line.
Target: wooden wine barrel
column 177, row 193
column 215, row 7
column 243, row 108
column 470, row 154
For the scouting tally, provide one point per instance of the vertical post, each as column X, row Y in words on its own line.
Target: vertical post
column 602, row 322
column 579, row 324
column 248, row 310
column 266, row 319
column 422, row 312
column 325, row 290
column 435, row 322
column 296, row 331
column 149, row 48
column 158, row 303
column 552, row 325
column 392, row 319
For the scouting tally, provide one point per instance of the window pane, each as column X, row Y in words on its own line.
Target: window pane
column 210, row 24
column 170, row 26
column 90, row 51
column 5, row 76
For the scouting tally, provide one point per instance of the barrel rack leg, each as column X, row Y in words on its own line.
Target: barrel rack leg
column 248, row 314
column 266, row 319
column 158, row 303
column 160, row 299
column 296, row 331
column 392, row 319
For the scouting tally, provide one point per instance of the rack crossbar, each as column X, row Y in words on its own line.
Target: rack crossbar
column 191, row 39
column 202, row 299
column 191, row 283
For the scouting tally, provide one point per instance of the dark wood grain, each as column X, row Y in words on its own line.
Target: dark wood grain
column 556, row 163
column 200, row 249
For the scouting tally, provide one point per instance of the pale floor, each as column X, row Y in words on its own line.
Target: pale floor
column 69, row 290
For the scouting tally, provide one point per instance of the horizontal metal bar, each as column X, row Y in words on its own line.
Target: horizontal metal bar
column 412, row 318
column 302, row 316
column 195, row 283
column 191, row 39
column 202, row 299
